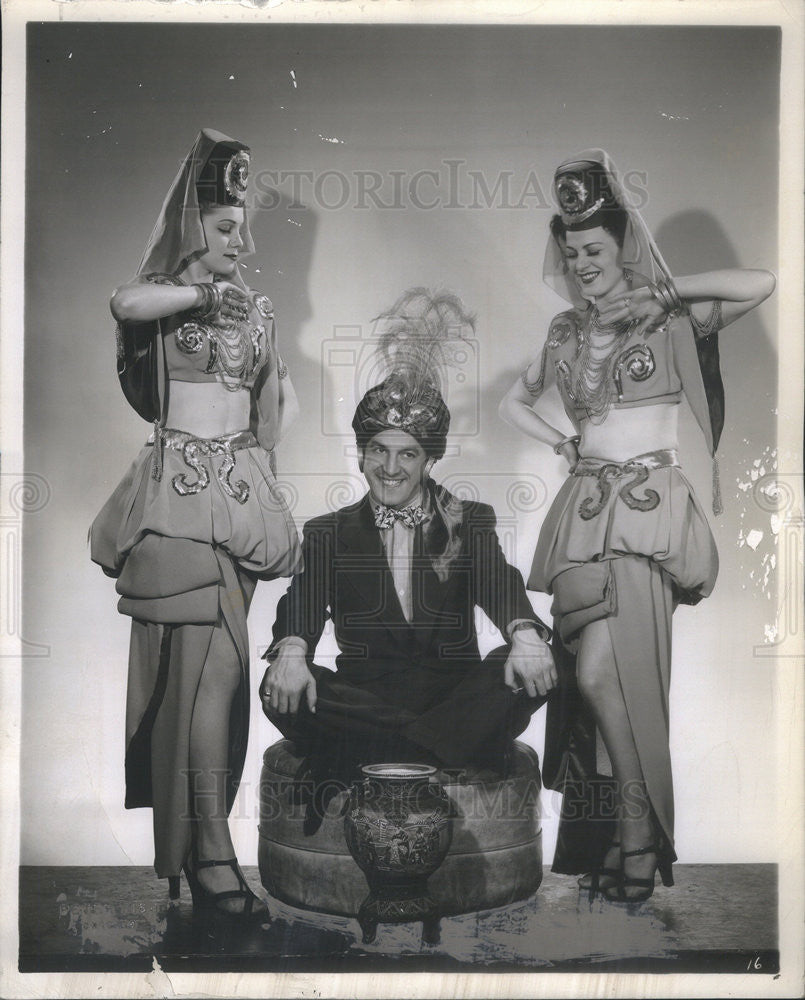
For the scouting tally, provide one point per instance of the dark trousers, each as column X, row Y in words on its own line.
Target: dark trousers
column 451, row 719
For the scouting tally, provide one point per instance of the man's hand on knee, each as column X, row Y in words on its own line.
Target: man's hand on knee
column 530, row 666
column 286, row 681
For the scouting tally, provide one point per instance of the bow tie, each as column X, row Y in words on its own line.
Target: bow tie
column 409, row 516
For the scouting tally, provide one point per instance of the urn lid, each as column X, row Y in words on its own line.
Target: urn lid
column 399, row 771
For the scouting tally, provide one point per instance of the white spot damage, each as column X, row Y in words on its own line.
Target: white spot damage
column 765, row 501
column 754, row 538
column 159, row 981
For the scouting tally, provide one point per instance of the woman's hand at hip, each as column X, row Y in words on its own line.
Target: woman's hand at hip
column 570, row 453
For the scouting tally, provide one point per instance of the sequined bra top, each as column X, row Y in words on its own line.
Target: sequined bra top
column 199, row 351
column 598, row 368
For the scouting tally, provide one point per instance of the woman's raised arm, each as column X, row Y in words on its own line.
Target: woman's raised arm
column 739, row 290
column 139, row 302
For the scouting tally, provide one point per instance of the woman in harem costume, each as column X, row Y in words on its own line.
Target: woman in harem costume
column 625, row 540
column 197, row 520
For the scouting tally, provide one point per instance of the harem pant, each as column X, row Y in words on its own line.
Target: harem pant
column 624, row 543
column 188, row 532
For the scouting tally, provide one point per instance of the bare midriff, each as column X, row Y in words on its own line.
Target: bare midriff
column 207, row 409
column 631, row 431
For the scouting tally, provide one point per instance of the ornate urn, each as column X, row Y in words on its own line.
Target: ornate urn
column 398, row 829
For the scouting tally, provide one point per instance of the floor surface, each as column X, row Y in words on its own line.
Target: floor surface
column 717, row 918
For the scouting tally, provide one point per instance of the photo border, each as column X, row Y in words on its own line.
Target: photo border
column 788, row 739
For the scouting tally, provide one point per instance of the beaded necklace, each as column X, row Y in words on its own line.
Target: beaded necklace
column 236, row 352
column 600, row 344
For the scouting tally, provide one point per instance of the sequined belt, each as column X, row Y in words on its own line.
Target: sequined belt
column 193, row 450
column 609, row 473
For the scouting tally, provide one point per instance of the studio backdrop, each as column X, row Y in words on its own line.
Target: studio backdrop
column 385, row 158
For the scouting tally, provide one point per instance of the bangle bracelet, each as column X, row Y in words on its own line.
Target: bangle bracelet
column 674, row 294
column 211, row 299
column 204, row 308
column 665, row 291
column 205, row 300
column 571, row 439
column 661, row 295
column 666, row 294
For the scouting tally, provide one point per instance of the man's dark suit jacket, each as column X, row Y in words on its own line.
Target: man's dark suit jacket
column 346, row 577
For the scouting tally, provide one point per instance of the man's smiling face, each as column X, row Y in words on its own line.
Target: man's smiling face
column 395, row 465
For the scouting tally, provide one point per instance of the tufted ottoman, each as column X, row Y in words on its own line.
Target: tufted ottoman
column 495, row 857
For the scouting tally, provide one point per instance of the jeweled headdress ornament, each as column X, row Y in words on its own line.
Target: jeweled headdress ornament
column 418, row 343
column 582, row 189
column 224, row 177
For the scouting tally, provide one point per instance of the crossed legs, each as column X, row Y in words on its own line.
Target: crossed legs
column 453, row 721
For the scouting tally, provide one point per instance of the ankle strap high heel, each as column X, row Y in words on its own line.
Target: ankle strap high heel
column 206, row 900
column 598, row 871
column 617, row 893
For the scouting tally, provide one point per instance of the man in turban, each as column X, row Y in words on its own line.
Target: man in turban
column 400, row 573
